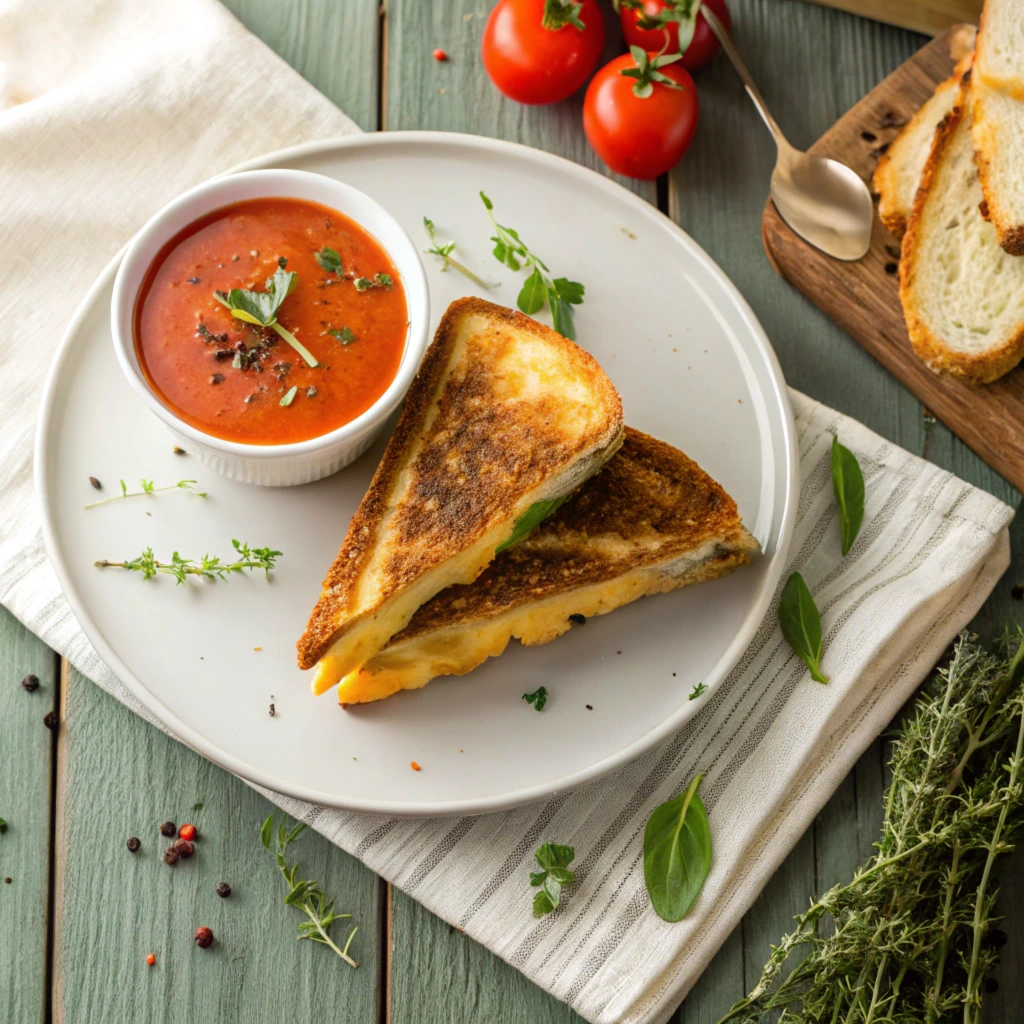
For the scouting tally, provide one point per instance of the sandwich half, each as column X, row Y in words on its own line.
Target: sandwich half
column 505, row 419
column 651, row 521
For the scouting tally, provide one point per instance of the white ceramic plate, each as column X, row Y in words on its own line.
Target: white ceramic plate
column 693, row 367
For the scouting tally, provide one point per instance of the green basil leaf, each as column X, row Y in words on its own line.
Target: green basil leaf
column 801, row 624
column 568, row 291
column 343, row 334
column 267, row 831
column 537, row 877
column 563, row 876
column 677, row 853
column 554, row 855
column 542, row 904
column 561, row 316
column 529, row 520
column 329, row 260
column 848, row 483
column 533, row 293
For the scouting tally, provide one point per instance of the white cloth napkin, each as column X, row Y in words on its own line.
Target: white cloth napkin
column 114, row 106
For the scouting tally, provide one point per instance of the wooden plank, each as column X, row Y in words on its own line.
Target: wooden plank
column 25, row 803
column 863, row 297
column 928, row 16
column 333, row 45
column 122, row 778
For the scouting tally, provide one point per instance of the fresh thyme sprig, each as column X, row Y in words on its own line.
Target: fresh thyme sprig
column 148, row 487
column 260, row 308
column 912, row 934
column 307, row 896
column 445, row 252
column 208, row 567
column 560, row 294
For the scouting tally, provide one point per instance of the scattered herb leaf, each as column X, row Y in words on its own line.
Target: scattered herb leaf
column 208, row 567
column 329, row 260
column 342, row 334
column 148, row 487
column 445, row 252
column 561, row 294
column 306, row 896
column 677, row 853
column 198, row 807
column 697, row 691
column 538, row 698
column 3, row 825
column 260, row 308
column 801, row 624
column 554, row 861
column 364, row 284
column 529, row 520
column 848, row 484
column 289, row 395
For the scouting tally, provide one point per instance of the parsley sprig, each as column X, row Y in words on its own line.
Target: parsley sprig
column 445, row 252
column 306, row 896
column 208, row 567
column 260, row 308
column 554, row 861
column 148, row 487
column 538, row 698
column 559, row 293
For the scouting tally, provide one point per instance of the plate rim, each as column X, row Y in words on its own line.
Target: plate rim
column 190, row 736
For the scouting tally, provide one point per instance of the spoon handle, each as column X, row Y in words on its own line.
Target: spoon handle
column 741, row 69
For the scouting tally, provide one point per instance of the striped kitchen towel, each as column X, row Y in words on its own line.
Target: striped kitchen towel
column 94, row 85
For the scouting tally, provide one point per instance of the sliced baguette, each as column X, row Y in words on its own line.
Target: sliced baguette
column 1000, row 61
column 962, row 295
column 504, row 413
column 998, row 135
column 899, row 170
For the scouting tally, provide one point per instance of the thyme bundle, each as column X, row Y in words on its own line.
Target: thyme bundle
column 914, row 930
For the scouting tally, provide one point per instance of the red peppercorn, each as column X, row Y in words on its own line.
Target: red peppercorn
column 187, row 832
column 183, row 848
column 204, row 937
column 440, row 55
column 151, row 959
column 414, row 766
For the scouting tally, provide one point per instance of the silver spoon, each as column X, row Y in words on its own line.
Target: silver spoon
column 822, row 200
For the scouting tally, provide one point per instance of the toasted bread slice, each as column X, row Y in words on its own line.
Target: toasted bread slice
column 962, row 295
column 504, row 413
column 651, row 521
column 998, row 134
column 899, row 170
column 1000, row 60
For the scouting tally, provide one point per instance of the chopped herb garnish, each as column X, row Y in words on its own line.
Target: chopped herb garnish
column 377, row 281
column 697, row 691
column 198, row 807
column 561, row 294
column 148, row 487
column 329, row 260
column 343, row 334
column 306, row 896
column 208, row 567
column 289, row 396
column 554, row 861
column 445, row 252
column 538, row 698
column 260, row 308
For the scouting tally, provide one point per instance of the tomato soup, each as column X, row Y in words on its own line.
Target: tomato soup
column 243, row 381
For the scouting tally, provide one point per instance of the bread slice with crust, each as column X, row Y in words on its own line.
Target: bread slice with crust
column 962, row 295
column 1000, row 61
column 998, row 136
column 651, row 521
column 899, row 170
column 504, row 414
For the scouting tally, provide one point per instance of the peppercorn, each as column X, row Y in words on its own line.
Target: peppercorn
column 8, row 879
column 133, row 845
column 414, row 766
column 30, row 682
column 187, row 832
column 96, row 483
column 168, row 828
column 204, row 937
column 50, row 719
column 151, row 959
column 440, row 55
column 170, row 855
column 183, row 848
column 223, row 890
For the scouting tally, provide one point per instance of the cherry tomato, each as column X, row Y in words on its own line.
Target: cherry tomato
column 541, row 51
column 638, row 123
column 701, row 49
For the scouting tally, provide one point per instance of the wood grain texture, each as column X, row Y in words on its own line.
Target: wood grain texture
column 863, row 296
column 123, row 779
column 928, row 16
column 25, row 803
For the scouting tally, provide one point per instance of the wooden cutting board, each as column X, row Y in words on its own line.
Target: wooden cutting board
column 863, row 297
column 929, row 16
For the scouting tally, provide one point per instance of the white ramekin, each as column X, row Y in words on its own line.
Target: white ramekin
column 280, row 465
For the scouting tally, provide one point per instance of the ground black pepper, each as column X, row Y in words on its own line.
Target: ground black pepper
column 31, row 682
column 133, row 844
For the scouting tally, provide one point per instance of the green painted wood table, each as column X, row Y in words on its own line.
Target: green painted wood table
column 80, row 913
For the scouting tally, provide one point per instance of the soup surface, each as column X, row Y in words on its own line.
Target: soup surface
column 245, row 382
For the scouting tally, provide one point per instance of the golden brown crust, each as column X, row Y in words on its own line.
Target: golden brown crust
column 469, row 457
column 986, row 142
column 649, row 505
column 979, row 368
